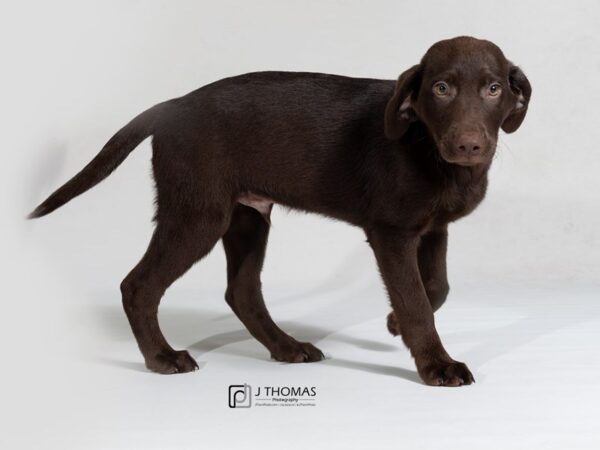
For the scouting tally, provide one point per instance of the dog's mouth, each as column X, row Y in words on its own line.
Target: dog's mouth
column 465, row 162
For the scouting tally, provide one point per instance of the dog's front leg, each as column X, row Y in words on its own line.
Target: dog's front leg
column 432, row 267
column 396, row 254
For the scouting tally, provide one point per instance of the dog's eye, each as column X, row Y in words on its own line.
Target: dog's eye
column 494, row 90
column 441, row 89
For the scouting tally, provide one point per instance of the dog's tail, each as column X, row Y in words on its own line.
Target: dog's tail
column 110, row 157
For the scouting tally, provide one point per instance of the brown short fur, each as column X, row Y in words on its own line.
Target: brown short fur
column 399, row 159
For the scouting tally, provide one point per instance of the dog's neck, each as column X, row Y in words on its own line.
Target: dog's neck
column 459, row 189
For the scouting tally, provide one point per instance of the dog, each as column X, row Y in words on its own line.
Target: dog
column 400, row 159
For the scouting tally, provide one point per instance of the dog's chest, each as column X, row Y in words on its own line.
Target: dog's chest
column 457, row 200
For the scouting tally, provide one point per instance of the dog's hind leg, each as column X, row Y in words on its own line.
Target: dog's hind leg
column 245, row 242
column 181, row 238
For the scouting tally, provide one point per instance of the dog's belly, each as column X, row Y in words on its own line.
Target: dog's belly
column 263, row 205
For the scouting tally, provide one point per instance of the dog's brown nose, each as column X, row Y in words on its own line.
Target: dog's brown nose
column 469, row 142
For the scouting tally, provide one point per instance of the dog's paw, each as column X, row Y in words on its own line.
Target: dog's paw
column 451, row 373
column 392, row 324
column 298, row 352
column 172, row 362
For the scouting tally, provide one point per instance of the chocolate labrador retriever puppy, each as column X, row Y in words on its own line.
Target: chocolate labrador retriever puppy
column 399, row 159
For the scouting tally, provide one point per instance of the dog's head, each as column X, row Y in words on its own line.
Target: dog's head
column 464, row 90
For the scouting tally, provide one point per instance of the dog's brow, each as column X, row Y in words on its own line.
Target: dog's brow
column 446, row 75
column 490, row 74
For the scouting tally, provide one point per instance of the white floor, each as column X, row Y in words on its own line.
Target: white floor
column 534, row 354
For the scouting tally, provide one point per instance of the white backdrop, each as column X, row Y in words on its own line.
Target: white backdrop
column 528, row 258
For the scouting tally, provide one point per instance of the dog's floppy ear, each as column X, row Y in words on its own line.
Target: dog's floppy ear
column 399, row 112
column 519, row 85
